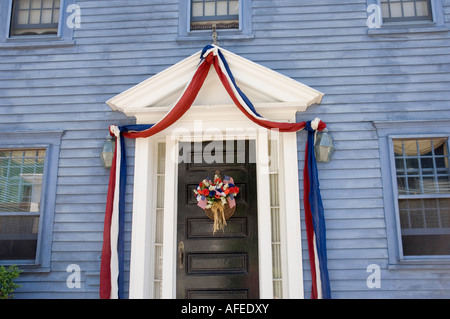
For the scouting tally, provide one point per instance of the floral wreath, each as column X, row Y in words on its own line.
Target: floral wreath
column 217, row 199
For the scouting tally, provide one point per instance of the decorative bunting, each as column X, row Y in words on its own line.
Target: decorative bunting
column 112, row 261
column 315, row 221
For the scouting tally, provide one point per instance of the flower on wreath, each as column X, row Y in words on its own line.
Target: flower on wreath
column 208, row 192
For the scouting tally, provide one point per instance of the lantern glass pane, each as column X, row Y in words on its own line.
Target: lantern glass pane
column 324, row 147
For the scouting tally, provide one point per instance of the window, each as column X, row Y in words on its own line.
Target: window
column 206, row 13
column 423, row 185
column 21, row 172
column 406, row 10
column 34, row 17
column 28, row 178
column 159, row 221
column 406, row 16
column 232, row 20
column 275, row 214
column 32, row 24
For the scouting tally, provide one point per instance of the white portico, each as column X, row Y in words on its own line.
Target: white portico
column 213, row 116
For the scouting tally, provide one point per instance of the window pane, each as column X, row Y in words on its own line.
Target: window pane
column 18, row 237
column 47, row 3
column 161, row 158
column 55, row 16
column 24, row 4
column 399, row 165
column 274, row 196
column 21, row 180
column 444, row 205
column 160, row 196
column 408, row 9
column 414, row 186
column 430, row 245
column 426, row 164
column 425, row 226
column 398, row 10
column 224, row 14
column 23, row 17
column 46, row 16
column 222, row 8
column 385, row 10
column 416, row 219
column 444, row 184
column 429, row 185
column 210, row 9
column 412, row 165
column 234, row 7
column 36, row 4
column 422, row 166
column 33, row 17
column 197, row 9
column 401, row 185
column 422, row 8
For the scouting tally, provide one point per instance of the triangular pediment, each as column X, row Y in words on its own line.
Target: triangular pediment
column 263, row 86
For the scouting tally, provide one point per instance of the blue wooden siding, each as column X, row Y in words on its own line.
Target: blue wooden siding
column 322, row 43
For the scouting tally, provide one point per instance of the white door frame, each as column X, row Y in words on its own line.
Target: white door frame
column 186, row 129
column 170, row 221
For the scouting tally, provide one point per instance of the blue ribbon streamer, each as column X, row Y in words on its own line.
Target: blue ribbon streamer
column 317, row 212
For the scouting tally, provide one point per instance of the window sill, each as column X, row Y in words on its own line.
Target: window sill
column 206, row 35
column 34, row 43
column 422, row 264
column 26, row 267
column 395, row 28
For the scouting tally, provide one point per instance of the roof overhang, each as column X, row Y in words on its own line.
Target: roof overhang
column 275, row 96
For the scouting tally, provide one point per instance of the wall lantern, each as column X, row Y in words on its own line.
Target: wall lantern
column 108, row 152
column 324, row 147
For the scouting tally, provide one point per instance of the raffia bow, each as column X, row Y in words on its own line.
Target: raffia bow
column 219, row 213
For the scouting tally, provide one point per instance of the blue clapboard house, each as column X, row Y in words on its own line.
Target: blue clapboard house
column 377, row 72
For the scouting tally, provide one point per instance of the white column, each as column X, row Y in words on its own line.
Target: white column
column 264, row 220
column 170, row 221
column 291, row 200
column 141, row 265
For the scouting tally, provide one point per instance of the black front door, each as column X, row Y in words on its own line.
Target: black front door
column 223, row 264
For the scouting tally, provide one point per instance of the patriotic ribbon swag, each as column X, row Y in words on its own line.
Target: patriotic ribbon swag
column 112, row 258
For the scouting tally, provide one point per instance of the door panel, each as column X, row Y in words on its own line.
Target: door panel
column 223, row 264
